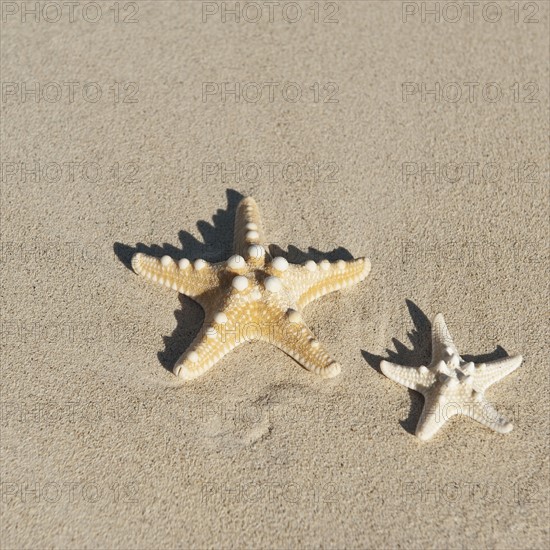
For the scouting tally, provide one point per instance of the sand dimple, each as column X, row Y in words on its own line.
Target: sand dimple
column 241, row 425
column 238, row 428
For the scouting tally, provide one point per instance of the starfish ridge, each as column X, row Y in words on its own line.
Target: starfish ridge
column 252, row 296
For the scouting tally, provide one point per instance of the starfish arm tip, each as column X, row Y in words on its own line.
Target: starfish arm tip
column 331, row 371
column 494, row 371
column 185, row 373
column 500, row 425
column 423, row 434
column 136, row 261
column 514, row 362
column 428, row 426
column 366, row 268
column 385, row 366
column 507, row 428
column 391, row 370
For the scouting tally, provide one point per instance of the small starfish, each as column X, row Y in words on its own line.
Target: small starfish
column 451, row 385
column 252, row 296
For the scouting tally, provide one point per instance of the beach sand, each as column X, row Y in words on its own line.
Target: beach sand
column 101, row 446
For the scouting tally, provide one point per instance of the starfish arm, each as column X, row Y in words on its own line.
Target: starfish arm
column 296, row 339
column 204, row 352
column 313, row 280
column 483, row 412
column 219, row 334
column 417, row 379
column 442, row 343
column 433, row 417
column 487, row 374
column 248, row 227
column 192, row 279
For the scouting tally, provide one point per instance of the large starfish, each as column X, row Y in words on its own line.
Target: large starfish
column 252, row 296
column 451, row 385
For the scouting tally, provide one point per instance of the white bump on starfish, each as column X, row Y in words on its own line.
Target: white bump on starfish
column 220, row 318
column 294, row 316
column 256, row 294
column 239, row 283
column 442, row 367
column 451, row 385
column 273, row 284
column 255, row 252
column 454, row 361
column 236, row 263
column 258, row 290
column 279, row 263
column 451, row 382
column 468, row 368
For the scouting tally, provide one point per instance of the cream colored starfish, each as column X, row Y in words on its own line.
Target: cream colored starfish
column 451, row 385
column 252, row 296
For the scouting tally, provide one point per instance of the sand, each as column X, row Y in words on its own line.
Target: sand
column 101, row 446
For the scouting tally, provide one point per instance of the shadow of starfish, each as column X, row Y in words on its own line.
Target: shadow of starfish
column 420, row 338
column 217, row 246
column 295, row 255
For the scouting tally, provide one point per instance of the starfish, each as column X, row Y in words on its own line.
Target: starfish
column 451, row 385
column 252, row 296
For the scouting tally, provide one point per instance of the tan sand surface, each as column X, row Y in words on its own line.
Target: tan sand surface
column 132, row 137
